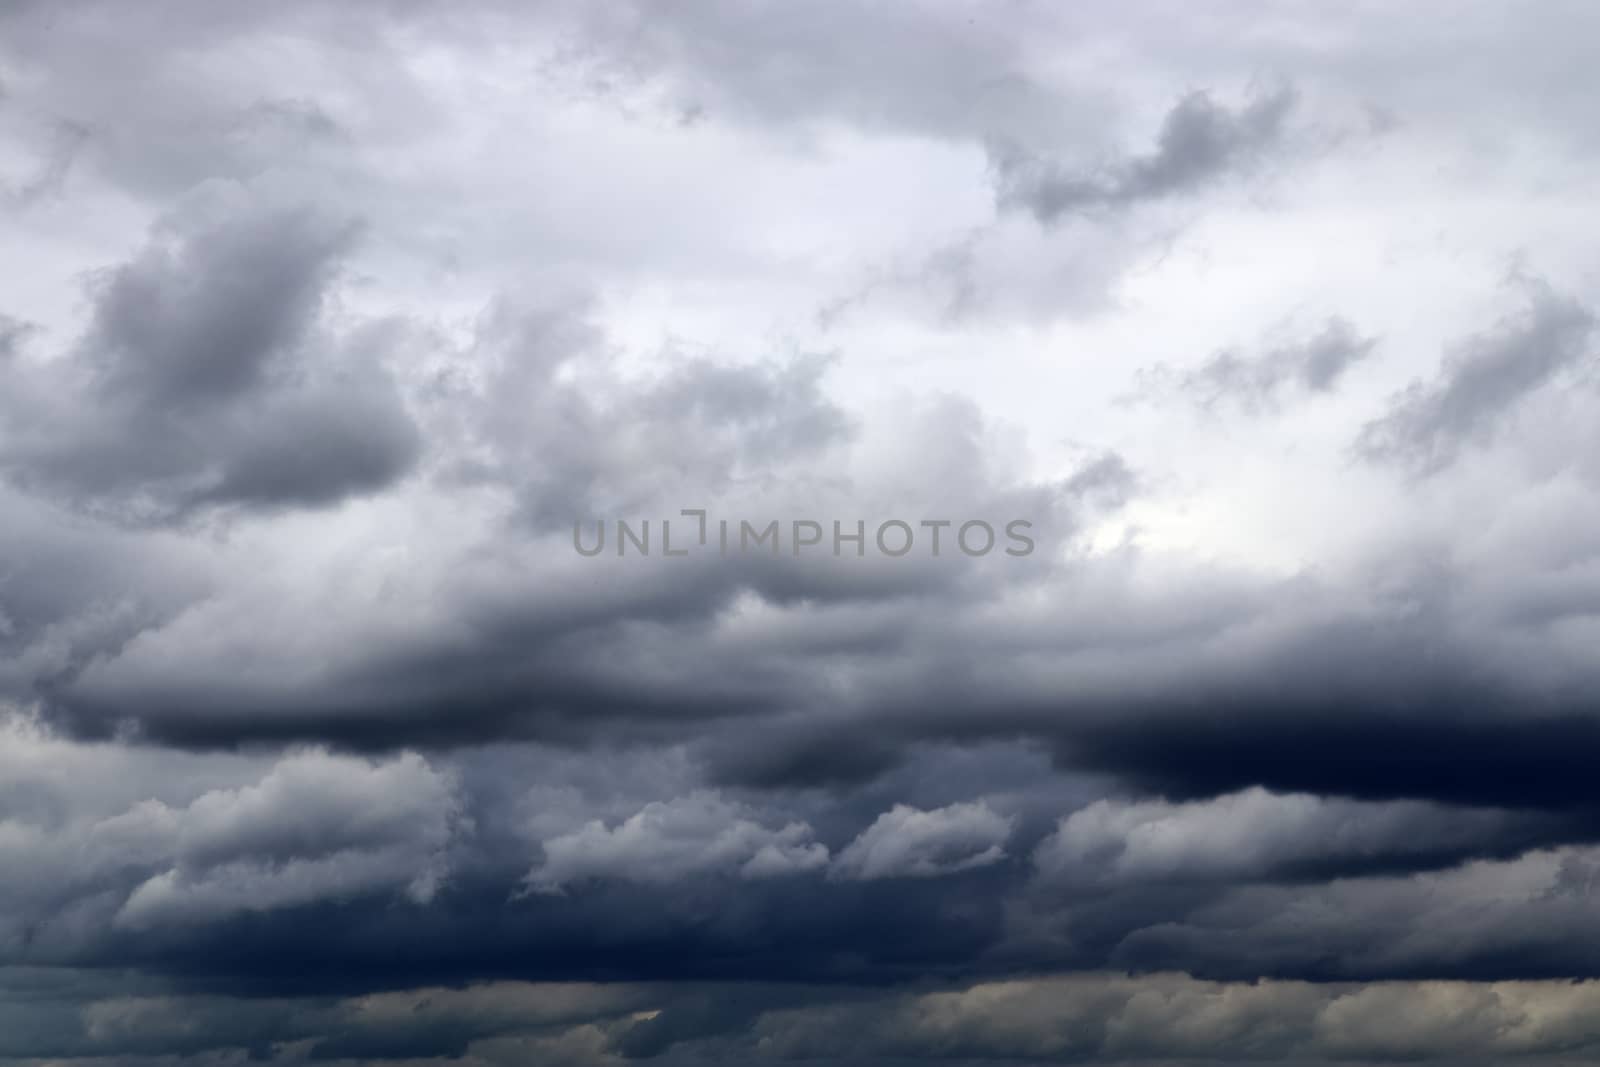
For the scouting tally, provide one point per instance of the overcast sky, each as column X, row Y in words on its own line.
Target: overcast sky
column 323, row 323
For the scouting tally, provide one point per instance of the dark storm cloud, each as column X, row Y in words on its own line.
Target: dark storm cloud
column 639, row 646
column 1256, row 383
column 1480, row 384
column 205, row 378
column 320, row 743
column 1200, row 142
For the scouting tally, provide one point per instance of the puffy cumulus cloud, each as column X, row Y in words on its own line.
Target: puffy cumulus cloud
column 667, row 841
column 904, row 842
column 316, row 826
column 95, row 838
column 208, row 376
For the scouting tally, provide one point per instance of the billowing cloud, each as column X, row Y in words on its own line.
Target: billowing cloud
column 184, row 849
column 667, row 841
column 907, row 843
column 316, row 826
column 205, row 378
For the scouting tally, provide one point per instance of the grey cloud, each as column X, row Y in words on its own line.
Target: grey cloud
column 1314, row 365
column 1529, row 917
column 1256, row 834
column 547, row 413
column 1051, row 1018
column 1106, row 480
column 1167, row 1018
column 316, row 825
column 313, row 826
column 208, row 378
column 13, row 332
column 556, row 655
column 1148, row 1019
column 929, row 68
column 668, row 841
column 907, row 843
column 55, row 144
column 867, row 810
column 1480, row 385
column 1200, row 141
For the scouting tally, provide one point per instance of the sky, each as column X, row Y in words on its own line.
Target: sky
column 1261, row 340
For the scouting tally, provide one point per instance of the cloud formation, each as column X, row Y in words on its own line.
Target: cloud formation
column 1479, row 385
column 1259, row 383
column 1200, row 141
column 906, row 843
column 203, row 379
column 668, row 841
column 324, row 324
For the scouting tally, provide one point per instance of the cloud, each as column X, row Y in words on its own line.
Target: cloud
column 1256, row 834
column 1169, row 1018
column 671, row 840
column 1528, row 917
column 322, row 743
column 317, row 826
column 56, row 144
column 546, row 412
column 208, row 378
column 1200, row 142
column 1313, row 365
column 1053, row 1018
column 314, row 826
column 907, row 843
column 1480, row 385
